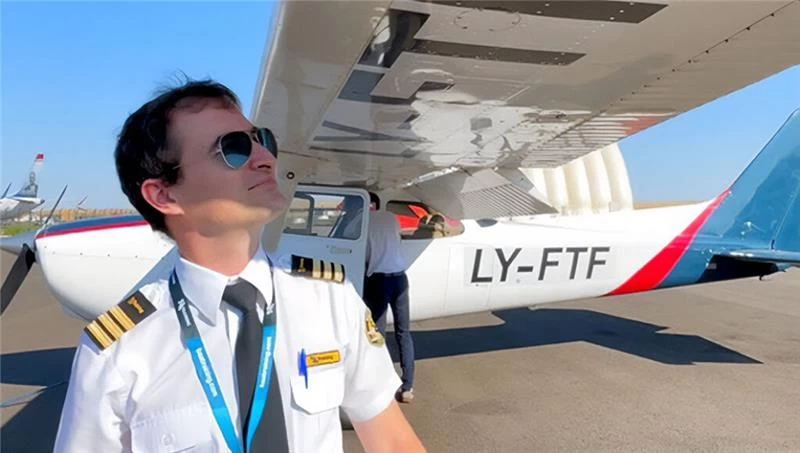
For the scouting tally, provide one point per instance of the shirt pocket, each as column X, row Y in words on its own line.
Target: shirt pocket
column 187, row 429
column 325, row 389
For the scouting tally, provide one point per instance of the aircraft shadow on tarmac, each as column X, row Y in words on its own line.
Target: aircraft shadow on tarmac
column 524, row 328
column 33, row 429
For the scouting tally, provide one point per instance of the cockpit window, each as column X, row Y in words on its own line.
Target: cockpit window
column 325, row 215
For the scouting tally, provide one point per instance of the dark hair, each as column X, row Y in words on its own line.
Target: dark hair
column 373, row 198
column 143, row 148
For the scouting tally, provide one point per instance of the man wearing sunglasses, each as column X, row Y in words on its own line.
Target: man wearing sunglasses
column 232, row 350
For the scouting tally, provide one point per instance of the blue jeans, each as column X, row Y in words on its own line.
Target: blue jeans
column 391, row 290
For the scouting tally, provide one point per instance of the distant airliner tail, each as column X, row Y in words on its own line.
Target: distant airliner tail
column 30, row 189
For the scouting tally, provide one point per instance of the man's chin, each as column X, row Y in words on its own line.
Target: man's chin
column 267, row 214
column 277, row 203
column 266, row 207
column 269, row 196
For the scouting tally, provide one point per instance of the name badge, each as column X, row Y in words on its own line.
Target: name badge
column 323, row 358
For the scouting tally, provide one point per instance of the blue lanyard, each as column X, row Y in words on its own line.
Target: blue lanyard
column 205, row 372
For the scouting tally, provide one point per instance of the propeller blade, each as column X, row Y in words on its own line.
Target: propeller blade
column 52, row 211
column 22, row 265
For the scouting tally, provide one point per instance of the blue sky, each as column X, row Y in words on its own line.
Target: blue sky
column 71, row 72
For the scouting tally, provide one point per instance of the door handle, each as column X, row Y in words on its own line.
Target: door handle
column 340, row 250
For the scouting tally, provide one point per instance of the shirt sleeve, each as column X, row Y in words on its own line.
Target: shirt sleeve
column 371, row 380
column 92, row 416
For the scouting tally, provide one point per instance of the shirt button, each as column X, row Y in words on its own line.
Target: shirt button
column 167, row 439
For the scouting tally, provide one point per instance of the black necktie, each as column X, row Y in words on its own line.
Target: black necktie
column 270, row 433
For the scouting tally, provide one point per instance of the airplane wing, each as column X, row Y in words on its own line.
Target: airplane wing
column 444, row 97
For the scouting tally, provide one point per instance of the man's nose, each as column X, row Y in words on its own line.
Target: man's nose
column 261, row 158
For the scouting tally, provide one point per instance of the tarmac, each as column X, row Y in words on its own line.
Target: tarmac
column 711, row 368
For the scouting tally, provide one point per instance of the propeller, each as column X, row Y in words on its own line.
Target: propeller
column 52, row 211
column 80, row 203
column 22, row 265
column 25, row 246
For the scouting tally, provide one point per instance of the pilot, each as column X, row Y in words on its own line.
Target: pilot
column 233, row 349
column 386, row 285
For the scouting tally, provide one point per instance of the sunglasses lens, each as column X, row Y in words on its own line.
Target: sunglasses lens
column 267, row 140
column 236, row 147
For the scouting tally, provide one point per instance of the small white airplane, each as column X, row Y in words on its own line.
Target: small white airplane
column 446, row 108
column 26, row 199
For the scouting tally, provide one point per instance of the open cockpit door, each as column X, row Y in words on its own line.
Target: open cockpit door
column 328, row 223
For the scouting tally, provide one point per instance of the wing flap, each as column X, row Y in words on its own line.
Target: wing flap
column 482, row 194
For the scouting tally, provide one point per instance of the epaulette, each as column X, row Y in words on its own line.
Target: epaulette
column 111, row 325
column 373, row 335
column 316, row 268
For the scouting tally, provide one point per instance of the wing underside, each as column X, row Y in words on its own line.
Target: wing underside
column 389, row 94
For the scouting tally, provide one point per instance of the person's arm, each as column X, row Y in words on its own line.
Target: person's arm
column 388, row 432
column 91, row 419
column 371, row 385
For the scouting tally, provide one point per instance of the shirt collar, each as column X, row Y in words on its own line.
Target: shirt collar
column 203, row 287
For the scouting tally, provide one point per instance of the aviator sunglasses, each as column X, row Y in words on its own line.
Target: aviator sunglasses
column 237, row 146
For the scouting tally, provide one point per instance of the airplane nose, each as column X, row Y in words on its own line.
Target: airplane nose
column 13, row 244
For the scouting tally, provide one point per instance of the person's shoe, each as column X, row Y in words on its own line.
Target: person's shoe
column 405, row 396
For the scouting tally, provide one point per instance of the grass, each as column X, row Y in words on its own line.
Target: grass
column 13, row 229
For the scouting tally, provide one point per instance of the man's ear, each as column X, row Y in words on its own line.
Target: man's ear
column 156, row 193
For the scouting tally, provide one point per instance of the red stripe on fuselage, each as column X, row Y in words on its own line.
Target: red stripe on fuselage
column 656, row 270
column 46, row 234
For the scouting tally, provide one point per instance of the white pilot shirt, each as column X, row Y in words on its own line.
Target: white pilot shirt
column 142, row 394
column 383, row 247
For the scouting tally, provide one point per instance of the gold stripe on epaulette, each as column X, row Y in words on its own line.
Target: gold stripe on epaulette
column 121, row 318
column 97, row 335
column 317, row 269
column 338, row 273
column 327, row 271
column 110, row 326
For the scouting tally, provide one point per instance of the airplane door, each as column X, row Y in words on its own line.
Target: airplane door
column 329, row 223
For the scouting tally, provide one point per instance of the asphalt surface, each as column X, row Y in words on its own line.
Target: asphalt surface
column 712, row 368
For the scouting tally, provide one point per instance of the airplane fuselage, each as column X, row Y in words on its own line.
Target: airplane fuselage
column 494, row 264
column 13, row 207
column 525, row 262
